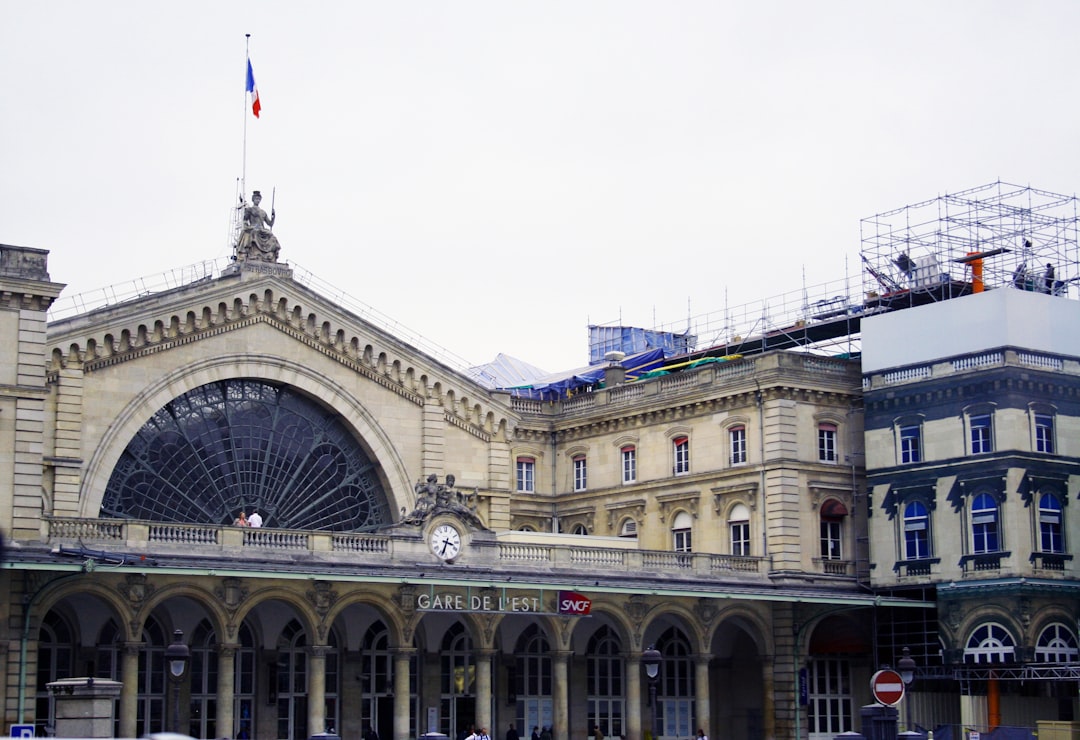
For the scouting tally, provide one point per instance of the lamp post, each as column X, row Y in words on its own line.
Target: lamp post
column 906, row 668
column 177, row 656
column 650, row 658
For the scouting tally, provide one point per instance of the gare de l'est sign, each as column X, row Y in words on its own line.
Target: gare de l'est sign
column 567, row 603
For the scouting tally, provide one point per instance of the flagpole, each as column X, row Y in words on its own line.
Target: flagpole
column 247, row 65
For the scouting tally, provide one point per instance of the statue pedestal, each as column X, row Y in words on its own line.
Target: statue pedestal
column 253, row 267
column 84, row 706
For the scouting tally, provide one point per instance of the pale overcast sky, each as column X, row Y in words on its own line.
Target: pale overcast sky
column 497, row 175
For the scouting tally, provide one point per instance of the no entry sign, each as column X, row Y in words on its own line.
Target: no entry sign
column 887, row 686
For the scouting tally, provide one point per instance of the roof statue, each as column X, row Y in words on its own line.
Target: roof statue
column 257, row 244
column 432, row 497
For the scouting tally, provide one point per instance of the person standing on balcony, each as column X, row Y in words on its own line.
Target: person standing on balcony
column 241, row 520
column 255, row 520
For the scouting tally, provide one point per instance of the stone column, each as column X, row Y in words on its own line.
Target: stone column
column 483, row 690
column 703, row 693
column 316, row 708
column 560, row 696
column 129, row 693
column 768, row 707
column 226, row 690
column 402, row 699
column 634, row 707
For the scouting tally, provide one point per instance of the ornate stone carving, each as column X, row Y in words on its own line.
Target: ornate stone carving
column 433, row 497
column 257, row 242
column 322, row 597
column 406, row 599
column 135, row 589
column 706, row 610
column 231, row 592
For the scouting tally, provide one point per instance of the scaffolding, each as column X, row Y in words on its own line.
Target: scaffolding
column 993, row 236
column 989, row 237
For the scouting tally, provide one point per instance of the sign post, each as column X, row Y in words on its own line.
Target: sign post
column 887, row 686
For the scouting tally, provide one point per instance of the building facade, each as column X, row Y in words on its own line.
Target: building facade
column 435, row 554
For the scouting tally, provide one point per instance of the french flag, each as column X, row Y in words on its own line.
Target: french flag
column 255, row 106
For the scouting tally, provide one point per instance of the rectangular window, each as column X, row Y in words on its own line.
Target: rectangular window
column 682, row 455
column 911, row 444
column 526, row 475
column 916, row 532
column 580, row 473
column 826, row 436
column 740, row 539
column 629, row 464
column 1044, row 433
column 681, row 540
column 982, row 434
column 830, row 539
column 984, row 525
column 737, row 435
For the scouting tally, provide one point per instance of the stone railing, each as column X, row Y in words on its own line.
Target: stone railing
column 208, row 542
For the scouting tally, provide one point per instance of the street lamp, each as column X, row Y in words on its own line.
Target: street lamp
column 177, row 656
column 906, row 667
column 650, row 658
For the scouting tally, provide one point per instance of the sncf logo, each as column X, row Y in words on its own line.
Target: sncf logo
column 574, row 603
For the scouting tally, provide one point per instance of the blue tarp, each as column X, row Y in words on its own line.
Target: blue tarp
column 633, row 340
column 565, row 384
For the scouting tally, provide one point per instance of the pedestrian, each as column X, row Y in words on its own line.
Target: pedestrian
column 701, row 734
column 1048, row 279
column 511, row 732
column 545, row 734
column 255, row 520
column 535, row 733
column 597, row 733
column 483, row 734
column 241, row 520
column 467, row 733
column 370, row 734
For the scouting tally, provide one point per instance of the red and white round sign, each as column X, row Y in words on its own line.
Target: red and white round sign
column 887, row 686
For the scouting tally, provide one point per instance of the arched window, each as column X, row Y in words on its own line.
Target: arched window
column 579, row 529
column 1050, row 532
column 739, row 527
column 681, row 532
column 1056, row 644
column 55, row 661
column 916, row 531
column 376, row 675
column 990, row 643
column 605, row 682
column 628, row 528
column 532, row 672
column 677, row 687
column 984, row 524
column 239, row 443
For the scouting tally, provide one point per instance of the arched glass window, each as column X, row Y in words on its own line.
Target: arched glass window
column 376, row 675
column 605, row 681
column 628, row 528
column 916, row 531
column 681, row 533
column 1050, row 532
column 1056, row 644
column 990, row 643
column 677, row 687
column 984, row 524
column 239, row 444
column 532, row 675
column 55, row 661
column 739, row 527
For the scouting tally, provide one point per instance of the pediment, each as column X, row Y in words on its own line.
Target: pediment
column 106, row 337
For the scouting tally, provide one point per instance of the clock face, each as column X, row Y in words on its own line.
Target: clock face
column 445, row 542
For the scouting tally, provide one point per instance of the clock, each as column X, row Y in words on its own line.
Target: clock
column 445, row 542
